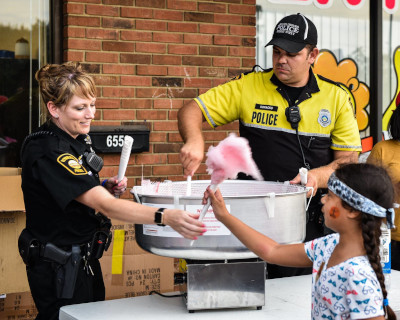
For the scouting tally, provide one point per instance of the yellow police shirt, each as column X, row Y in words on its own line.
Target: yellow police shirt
column 256, row 100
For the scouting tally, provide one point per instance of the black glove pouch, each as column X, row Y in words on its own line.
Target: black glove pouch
column 28, row 247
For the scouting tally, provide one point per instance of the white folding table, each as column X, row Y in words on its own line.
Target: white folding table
column 285, row 298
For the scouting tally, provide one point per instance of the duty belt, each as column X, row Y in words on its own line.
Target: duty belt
column 31, row 249
column 65, row 263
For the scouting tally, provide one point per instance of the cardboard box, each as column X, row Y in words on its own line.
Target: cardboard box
column 17, row 306
column 136, row 275
column 12, row 221
column 123, row 239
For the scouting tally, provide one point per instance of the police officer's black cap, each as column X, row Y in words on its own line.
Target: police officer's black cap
column 293, row 33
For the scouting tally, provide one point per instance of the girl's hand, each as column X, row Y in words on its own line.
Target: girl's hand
column 217, row 202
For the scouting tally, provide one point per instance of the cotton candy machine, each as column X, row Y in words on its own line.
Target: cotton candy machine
column 237, row 278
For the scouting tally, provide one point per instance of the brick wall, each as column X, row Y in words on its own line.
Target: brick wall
column 149, row 57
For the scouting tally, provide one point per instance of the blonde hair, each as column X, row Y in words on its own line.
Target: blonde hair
column 60, row 82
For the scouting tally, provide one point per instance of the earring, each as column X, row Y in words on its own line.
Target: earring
column 56, row 116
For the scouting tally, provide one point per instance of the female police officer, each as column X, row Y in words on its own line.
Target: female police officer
column 63, row 238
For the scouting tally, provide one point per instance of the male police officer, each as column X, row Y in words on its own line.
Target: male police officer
column 292, row 118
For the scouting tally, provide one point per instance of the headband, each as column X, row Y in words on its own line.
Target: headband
column 358, row 201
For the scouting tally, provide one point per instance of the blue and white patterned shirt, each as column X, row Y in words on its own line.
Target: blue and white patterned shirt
column 349, row 290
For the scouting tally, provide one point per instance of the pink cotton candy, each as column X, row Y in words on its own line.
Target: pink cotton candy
column 231, row 156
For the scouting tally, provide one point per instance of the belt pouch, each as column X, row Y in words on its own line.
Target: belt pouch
column 99, row 244
column 28, row 247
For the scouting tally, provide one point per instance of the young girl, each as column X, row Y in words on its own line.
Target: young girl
column 347, row 279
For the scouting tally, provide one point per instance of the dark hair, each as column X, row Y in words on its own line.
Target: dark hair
column 310, row 47
column 374, row 183
column 394, row 124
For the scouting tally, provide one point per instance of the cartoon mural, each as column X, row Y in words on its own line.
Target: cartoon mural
column 390, row 6
column 388, row 112
column 345, row 72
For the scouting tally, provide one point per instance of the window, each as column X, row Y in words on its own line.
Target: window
column 24, row 47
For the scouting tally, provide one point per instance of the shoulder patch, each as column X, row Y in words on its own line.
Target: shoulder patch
column 69, row 162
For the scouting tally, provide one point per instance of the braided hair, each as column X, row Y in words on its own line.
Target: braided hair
column 374, row 183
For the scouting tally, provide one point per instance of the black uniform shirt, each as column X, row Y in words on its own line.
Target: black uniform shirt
column 54, row 173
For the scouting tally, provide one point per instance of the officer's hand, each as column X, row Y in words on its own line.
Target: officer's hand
column 191, row 156
column 186, row 223
column 311, row 182
column 116, row 188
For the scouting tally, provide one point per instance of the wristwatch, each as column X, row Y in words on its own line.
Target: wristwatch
column 158, row 217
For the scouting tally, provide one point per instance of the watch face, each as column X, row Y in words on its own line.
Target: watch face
column 158, row 217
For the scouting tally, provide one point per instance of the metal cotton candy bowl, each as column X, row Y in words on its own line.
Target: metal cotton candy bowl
column 275, row 209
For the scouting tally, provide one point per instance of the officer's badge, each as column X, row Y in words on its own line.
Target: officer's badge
column 324, row 118
column 69, row 162
column 88, row 140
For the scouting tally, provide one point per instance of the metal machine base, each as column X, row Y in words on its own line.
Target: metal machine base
column 225, row 285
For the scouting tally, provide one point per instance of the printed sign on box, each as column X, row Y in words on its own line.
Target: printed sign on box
column 138, row 276
column 18, row 305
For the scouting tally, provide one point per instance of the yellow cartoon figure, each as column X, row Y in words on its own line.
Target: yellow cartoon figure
column 345, row 72
column 388, row 112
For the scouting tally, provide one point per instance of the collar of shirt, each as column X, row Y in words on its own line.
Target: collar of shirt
column 67, row 142
column 311, row 86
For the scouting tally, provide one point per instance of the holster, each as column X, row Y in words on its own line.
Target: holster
column 65, row 263
column 67, row 273
column 55, row 254
column 28, row 247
